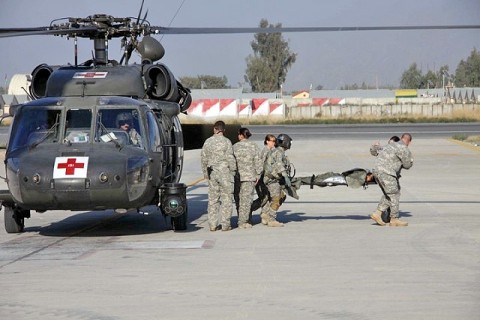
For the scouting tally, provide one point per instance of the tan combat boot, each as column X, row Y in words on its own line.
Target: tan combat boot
column 395, row 222
column 264, row 218
column 377, row 217
column 275, row 223
column 245, row 226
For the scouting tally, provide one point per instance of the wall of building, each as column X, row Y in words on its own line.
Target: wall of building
column 247, row 107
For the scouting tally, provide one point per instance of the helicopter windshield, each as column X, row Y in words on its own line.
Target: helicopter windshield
column 33, row 126
column 120, row 126
column 77, row 125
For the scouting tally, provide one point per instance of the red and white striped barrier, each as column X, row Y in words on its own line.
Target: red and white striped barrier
column 233, row 108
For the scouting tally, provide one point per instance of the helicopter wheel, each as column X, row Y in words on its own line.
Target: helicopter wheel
column 386, row 216
column 180, row 223
column 14, row 219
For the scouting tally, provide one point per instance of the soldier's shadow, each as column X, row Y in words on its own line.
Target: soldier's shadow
column 287, row 216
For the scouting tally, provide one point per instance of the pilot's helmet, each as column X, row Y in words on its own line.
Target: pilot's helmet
column 124, row 117
column 284, row 141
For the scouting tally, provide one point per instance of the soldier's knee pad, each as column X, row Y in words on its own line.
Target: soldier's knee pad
column 275, row 203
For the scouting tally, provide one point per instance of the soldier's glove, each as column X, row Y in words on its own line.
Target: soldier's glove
column 288, row 183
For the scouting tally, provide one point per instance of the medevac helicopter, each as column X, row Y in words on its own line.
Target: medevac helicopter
column 105, row 134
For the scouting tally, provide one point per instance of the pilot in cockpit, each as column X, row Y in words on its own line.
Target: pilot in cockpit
column 125, row 122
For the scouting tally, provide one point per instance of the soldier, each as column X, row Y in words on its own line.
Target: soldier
column 125, row 122
column 219, row 166
column 376, row 147
column 388, row 166
column 275, row 175
column 269, row 143
column 250, row 166
column 260, row 187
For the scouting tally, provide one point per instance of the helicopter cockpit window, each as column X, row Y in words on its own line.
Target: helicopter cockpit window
column 120, row 125
column 34, row 126
column 153, row 133
column 77, row 125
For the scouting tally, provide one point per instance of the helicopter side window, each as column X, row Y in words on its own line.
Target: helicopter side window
column 77, row 127
column 153, row 133
column 34, row 126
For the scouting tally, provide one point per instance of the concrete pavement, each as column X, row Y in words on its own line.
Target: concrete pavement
column 330, row 261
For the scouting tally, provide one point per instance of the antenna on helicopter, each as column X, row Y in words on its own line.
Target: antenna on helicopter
column 132, row 44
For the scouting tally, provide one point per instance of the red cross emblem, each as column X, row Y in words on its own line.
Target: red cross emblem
column 90, row 75
column 70, row 167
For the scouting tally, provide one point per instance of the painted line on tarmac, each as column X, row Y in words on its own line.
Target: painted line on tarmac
column 106, row 220
column 164, row 244
column 466, row 144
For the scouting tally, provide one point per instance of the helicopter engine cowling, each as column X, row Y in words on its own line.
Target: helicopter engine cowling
column 40, row 76
column 161, row 83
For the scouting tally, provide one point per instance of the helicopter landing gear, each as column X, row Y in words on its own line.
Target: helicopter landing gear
column 180, row 223
column 173, row 203
column 15, row 219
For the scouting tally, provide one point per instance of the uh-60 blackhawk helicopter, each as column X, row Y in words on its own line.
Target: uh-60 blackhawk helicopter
column 105, row 134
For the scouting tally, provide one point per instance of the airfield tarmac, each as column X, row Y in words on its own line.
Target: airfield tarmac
column 330, row 261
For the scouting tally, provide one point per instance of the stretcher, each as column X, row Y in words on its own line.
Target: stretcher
column 354, row 178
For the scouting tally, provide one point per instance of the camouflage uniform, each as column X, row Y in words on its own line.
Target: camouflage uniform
column 388, row 164
column 217, row 154
column 274, row 172
column 260, row 187
column 135, row 137
column 250, row 167
column 375, row 149
column 264, row 153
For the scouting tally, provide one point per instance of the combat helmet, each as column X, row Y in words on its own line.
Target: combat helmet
column 284, row 141
column 124, row 117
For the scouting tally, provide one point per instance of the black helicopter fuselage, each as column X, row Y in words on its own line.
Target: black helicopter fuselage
column 96, row 138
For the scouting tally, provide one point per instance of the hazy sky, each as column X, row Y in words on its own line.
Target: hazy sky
column 331, row 59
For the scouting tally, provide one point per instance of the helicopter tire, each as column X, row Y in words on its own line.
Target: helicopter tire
column 180, row 223
column 14, row 219
column 386, row 216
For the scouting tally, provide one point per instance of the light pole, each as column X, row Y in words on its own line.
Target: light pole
column 444, row 73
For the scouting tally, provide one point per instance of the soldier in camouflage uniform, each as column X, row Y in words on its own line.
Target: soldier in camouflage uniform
column 260, row 187
column 250, row 166
column 219, row 166
column 376, row 147
column 125, row 122
column 269, row 143
column 388, row 165
column 275, row 175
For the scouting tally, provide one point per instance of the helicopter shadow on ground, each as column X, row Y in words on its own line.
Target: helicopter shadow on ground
column 108, row 223
column 197, row 207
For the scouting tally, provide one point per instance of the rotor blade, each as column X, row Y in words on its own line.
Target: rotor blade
column 173, row 30
column 4, row 30
column 140, row 12
column 144, row 17
column 19, row 32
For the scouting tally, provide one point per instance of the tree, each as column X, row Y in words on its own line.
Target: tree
column 440, row 76
column 429, row 80
column 468, row 72
column 267, row 67
column 412, row 78
column 204, row 82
